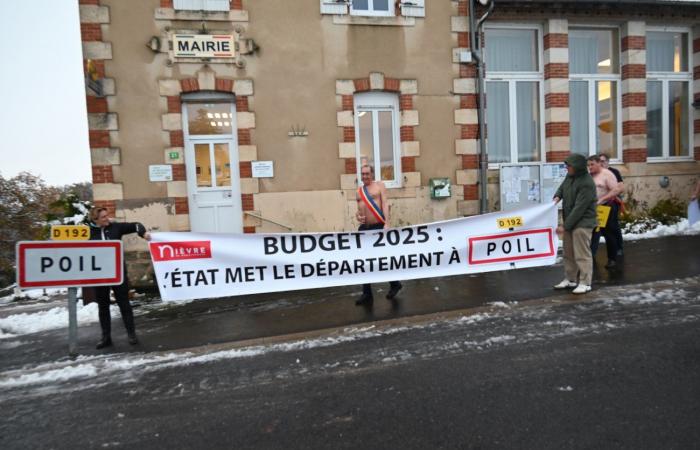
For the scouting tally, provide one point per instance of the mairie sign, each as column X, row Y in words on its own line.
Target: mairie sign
column 203, row 46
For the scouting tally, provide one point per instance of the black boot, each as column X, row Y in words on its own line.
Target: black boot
column 105, row 342
column 132, row 338
column 365, row 299
column 395, row 288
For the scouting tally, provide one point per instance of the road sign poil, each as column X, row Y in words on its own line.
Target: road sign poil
column 42, row 264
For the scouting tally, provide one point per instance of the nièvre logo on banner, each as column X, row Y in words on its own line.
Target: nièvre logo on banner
column 169, row 251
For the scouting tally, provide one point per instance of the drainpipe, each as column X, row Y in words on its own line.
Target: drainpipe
column 475, row 48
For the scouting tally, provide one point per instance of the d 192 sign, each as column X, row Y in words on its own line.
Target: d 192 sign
column 43, row 264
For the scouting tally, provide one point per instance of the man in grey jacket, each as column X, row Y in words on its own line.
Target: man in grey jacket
column 579, row 213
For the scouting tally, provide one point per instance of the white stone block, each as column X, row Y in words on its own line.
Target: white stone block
column 94, row 14
column 408, row 87
column 108, row 86
column 556, row 86
column 376, row 81
column 409, row 118
column 634, row 85
column 411, row 179
column 97, row 50
column 250, row 185
column 245, row 120
column 105, row 156
column 176, row 188
column 410, row 148
column 107, row 191
column 346, row 150
column 634, row 141
column 556, row 115
column 169, row 88
column 460, row 24
column 466, row 116
column 179, row 222
column 467, row 146
column 467, row 176
column 464, row 86
column 103, row 121
column 348, row 181
column 557, row 144
column 556, row 26
column 634, row 113
column 247, row 152
column 243, row 87
column 344, row 87
column 556, row 55
column 634, row 28
column 633, row 56
column 345, row 119
column 206, row 80
column 172, row 121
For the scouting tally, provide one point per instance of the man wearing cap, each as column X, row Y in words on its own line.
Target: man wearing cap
column 578, row 194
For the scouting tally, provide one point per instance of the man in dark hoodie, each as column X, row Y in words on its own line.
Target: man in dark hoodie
column 103, row 228
column 579, row 214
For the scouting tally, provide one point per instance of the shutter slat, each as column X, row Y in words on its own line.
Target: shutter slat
column 333, row 7
column 413, row 8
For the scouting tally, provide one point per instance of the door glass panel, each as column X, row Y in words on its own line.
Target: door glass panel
column 579, row 117
column 497, row 122
column 386, row 145
column 528, row 113
column 678, row 118
column 222, row 165
column 654, row 119
column 607, row 120
column 366, row 138
column 209, row 118
column 203, row 165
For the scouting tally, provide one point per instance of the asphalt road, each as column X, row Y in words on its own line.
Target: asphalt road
column 618, row 369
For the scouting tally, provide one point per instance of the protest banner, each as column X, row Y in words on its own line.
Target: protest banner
column 201, row 265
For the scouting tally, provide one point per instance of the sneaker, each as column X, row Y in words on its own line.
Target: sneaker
column 105, row 342
column 581, row 289
column 565, row 284
column 393, row 291
column 365, row 299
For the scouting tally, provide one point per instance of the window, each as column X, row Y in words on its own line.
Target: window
column 669, row 131
column 201, row 5
column 377, row 136
column 372, row 8
column 594, row 99
column 514, row 95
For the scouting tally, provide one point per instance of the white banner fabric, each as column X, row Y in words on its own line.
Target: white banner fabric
column 206, row 265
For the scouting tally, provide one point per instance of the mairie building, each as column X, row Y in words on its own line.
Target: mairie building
column 254, row 116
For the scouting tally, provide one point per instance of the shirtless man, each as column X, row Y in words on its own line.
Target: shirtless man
column 607, row 190
column 373, row 217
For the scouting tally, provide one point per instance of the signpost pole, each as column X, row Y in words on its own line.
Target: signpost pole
column 72, row 321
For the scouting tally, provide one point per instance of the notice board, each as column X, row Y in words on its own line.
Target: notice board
column 529, row 184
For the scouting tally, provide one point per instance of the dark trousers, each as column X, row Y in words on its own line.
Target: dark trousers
column 121, row 293
column 367, row 288
column 611, row 232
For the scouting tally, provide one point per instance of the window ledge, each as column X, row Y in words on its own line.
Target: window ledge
column 683, row 159
column 235, row 15
column 400, row 21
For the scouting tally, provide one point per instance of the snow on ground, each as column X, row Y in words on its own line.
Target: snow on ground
column 56, row 317
column 680, row 228
column 522, row 325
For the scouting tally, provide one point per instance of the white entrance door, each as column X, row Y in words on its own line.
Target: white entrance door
column 213, row 179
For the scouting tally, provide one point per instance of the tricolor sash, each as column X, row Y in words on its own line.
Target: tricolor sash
column 371, row 204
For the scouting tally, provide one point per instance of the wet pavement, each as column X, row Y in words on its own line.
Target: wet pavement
column 204, row 322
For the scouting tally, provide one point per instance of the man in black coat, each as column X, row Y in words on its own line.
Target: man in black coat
column 103, row 228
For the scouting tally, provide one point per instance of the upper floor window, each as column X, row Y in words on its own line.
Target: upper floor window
column 669, row 125
column 513, row 94
column 377, row 136
column 201, row 5
column 594, row 91
column 372, row 8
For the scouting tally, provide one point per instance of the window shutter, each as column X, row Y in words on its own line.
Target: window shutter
column 334, row 7
column 201, row 5
column 413, row 8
